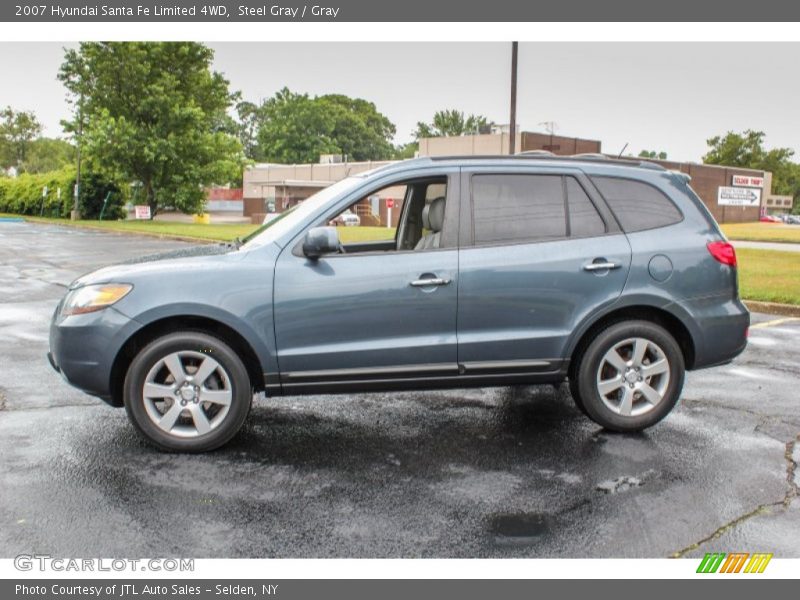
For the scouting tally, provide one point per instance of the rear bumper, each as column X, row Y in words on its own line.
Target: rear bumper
column 83, row 348
column 721, row 329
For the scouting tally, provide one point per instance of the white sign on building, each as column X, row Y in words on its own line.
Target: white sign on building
column 748, row 181
column 738, row 196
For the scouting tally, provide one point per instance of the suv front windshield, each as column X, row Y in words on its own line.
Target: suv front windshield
column 290, row 218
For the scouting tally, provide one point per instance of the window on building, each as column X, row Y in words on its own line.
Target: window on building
column 518, row 208
column 637, row 206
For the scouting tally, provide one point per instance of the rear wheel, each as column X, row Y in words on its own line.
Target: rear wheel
column 187, row 392
column 630, row 376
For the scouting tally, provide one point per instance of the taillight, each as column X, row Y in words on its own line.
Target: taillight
column 723, row 252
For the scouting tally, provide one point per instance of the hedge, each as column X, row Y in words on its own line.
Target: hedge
column 22, row 195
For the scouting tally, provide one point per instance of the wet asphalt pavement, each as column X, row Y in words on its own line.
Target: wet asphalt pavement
column 505, row 472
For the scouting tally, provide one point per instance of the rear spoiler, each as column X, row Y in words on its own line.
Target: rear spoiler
column 685, row 177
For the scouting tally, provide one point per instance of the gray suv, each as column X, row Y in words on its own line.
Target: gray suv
column 463, row 271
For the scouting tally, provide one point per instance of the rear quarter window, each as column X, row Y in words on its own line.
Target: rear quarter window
column 638, row 206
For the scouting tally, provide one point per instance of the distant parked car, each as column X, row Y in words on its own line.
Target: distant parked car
column 769, row 219
column 610, row 274
column 348, row 219
column 793, row 219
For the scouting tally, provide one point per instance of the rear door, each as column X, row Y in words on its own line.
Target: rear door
column 540, row 252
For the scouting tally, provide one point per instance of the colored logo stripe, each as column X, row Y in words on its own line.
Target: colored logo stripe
column 758, row 563
column 734, row 562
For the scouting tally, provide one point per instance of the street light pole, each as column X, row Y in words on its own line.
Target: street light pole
column 513, row 120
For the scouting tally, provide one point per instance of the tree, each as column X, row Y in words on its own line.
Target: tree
column 249, row 115
column 451, row 123
column 17, row 130
column 405, row 151
column 153, row 114
column 747, row 150
column 48, row 154
column 653, row 154
column 297, row 128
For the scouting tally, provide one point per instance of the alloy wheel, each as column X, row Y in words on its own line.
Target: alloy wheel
column 187, row 394
column 633, row 377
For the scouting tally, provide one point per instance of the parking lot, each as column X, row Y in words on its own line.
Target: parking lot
column 506, row 472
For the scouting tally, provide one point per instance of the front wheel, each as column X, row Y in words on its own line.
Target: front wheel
column 630, row 376
column 187, row 392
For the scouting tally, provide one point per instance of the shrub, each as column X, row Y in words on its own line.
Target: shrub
column 22, row 195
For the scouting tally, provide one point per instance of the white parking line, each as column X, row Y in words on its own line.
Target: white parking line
column 774, row 322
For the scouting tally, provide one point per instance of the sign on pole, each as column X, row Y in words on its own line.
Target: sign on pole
column 142, row 211
column 736, row 196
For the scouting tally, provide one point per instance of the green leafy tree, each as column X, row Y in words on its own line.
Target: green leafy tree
column 153, row 113
column 448, row 123
column 297, row 128
column 18, row 129
column 405, row 151
column 653, row 154
column 747, row 150
column 48, row 154
column 249, row 116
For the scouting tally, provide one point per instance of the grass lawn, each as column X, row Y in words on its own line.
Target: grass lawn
column 762, row 232
column 769, row 275
column 221, row 232
column 214, row 232
column 350, row 235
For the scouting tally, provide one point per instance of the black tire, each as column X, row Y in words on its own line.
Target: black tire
column 585, row 384
column 191, row 346
column 576, row 393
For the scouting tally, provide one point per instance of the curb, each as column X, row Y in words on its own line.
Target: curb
column 773, row 308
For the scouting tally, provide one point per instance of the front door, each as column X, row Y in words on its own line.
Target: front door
column 372, row 313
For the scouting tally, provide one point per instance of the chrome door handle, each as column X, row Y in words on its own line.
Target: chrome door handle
column 429, row 282
column 601, row 266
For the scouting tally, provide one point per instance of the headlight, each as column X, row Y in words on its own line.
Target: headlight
column 90, row 298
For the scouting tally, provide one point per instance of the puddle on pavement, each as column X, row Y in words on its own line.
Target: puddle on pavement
column 518, row 529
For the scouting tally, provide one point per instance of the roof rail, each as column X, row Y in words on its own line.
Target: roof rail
column 592, row 155
column 533, row 153
column 546, row 155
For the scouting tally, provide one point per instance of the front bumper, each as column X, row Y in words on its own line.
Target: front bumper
column 83, row 348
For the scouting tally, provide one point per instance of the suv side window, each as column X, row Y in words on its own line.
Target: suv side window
column 584, row 220
column 517, row 208
column 637, row 205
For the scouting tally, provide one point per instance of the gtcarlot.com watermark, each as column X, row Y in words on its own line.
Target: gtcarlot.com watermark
column 45, row 563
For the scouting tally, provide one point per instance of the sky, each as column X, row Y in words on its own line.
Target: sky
column 667, row 97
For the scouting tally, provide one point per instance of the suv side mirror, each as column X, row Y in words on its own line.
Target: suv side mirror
column 319, row 241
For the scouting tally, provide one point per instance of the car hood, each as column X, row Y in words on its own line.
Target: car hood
column 206, row 256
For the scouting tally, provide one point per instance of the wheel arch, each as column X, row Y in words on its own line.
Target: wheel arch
column 660, row 315
column 165, row 325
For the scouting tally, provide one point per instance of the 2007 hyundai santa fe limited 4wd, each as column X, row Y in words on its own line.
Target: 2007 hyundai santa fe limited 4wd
column 500, row 271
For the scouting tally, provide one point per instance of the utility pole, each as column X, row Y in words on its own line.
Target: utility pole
column 76, row 209
column 513, row 119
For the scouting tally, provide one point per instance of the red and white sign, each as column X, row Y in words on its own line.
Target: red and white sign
column 142, row 211
column 389, row 203
column 747, row 181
